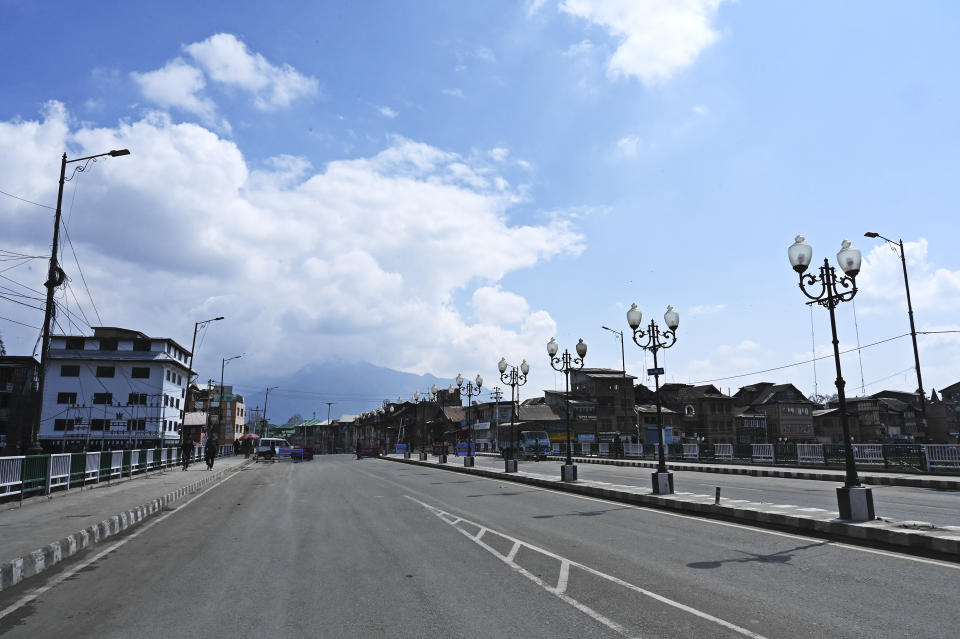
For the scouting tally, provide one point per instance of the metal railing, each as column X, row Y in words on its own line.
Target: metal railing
column 28, row 475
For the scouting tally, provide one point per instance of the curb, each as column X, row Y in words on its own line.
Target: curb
column 878, row 532
column 786, row 473
column 33, row 563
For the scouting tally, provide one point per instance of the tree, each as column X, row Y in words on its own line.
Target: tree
column 822, row 400
column 295, row 419
column 3, row 350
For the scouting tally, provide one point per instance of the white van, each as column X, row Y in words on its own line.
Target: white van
column 268, row 447
column 534, row 443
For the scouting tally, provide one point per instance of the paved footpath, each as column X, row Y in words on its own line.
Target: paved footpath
column 45, row 530
column 918, row 537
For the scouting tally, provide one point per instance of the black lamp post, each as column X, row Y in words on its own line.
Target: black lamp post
column 193, row 347
column 56, row 277
column 913, row 329
column 565, row 363
column 515, row 378
column 855, row 501
column 656, row 340
column 471, row 391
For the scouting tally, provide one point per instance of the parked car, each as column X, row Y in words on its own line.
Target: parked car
column 268, row 447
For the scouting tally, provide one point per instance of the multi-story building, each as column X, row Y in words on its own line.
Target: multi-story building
column 18, row 402
column 943, row 415
column 118, row 388
column 750, row 426
column 704, row 411
column 912, row 427
column 225, row 410
column 584, row 426
column 789, row 414
column 649, row 429
column 612, row 390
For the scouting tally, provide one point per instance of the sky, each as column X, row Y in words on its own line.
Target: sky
column 429, row 186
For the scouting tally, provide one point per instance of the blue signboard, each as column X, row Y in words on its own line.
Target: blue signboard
column 654, row 371
column 401, row 448
column 462, row 449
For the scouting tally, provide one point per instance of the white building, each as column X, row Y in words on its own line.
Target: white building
column 116, row 389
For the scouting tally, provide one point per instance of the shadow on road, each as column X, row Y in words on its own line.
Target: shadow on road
column 582, row 513
column 782, row 557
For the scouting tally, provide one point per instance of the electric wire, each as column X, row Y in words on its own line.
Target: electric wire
column 23, row 199
column 82, row 278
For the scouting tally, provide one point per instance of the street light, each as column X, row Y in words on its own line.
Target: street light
column 855, row 501
column 193, row 347
column 913, row 329
column 471, row 391
column 656, row 340
column 623, row 362
column 421, row 401
column 515, row 379
column 56, row 277
column 565, row 363
column 223, row 365
column 266, row 398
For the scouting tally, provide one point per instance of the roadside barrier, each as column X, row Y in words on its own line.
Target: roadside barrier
column 25, row 476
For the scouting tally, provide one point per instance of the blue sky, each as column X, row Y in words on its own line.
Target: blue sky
column 431, row 185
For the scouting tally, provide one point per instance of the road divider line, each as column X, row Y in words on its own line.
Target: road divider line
column 564, row 576
column 565, row 562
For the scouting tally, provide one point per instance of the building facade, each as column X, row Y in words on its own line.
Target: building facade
column 18, row 402
column 706, row 414
column 226, row 412
column 789, row 414
column 116, row 389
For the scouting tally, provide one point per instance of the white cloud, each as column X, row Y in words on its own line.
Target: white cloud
column 701, row 110
column 657, row 38
column 227, row 60
column 706, row 309
column 454, row 93
column 534, row 6
column 361, row 260
column 880, row 281
column 629, row 145
column 499, row 153
column 387, row 112
column 580, row 48
column 178, row 85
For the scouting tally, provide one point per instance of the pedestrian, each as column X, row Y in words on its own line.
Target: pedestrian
column 247, row 448
column 236, row 447
column 617, row 447
column 210, row 452
column 358, row 449
column 186, row 451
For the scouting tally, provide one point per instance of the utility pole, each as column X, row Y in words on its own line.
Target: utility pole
column 206, row 428
column 496, row 416
column 265, row 400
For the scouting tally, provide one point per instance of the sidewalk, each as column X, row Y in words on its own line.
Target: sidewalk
column 913, row 536
column 874, row 478
column 70, row 521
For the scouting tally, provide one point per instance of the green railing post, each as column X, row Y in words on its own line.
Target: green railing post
column 78, row 469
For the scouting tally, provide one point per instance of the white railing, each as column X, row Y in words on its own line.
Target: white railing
column 723, row 452
column 10, row 483
column 603, row 449
column 691, row 451
column 809, row 453
column 586, row 448
column 942, row 455
column 58, row 473
column 92, row 469
column 869, row 453
column 116, row 464
column 763, row 454
column 634, row 450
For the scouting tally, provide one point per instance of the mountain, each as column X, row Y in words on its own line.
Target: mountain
column 353, row 387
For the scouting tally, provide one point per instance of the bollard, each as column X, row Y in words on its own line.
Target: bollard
column 716, row 499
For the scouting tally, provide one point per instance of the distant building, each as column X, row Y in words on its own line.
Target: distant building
column 18, row 402
column 118, row 388
column 612, row 390
column 704, row 412
column 789, row 414
column 649, row 430
column 943, row 415
column 226, row 412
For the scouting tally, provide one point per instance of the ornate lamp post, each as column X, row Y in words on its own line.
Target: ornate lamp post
column 471, row 391
column 515, row 379
column 565, row 363
column 655, row 340
column 855, row 500
column 421, row 401
column 913, row 329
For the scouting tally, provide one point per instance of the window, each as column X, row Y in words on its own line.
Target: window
column 166, row 400
column 99, row 424
column 140, row 372
column 168, row 374
column 105, row 371
column 75, row 343
column 69, row 371
column 63, row 424
column 141, row 345
column 103, row 398
column 66, row 398
column 179, row 380
column 136, row 424
column 178, row 402
column 108, row 344
column 137, row 399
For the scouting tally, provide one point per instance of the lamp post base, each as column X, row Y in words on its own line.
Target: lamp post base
column 406, row 454
column 468, row 461
column 423, row 457
column 662, row 483
column 568, row 472
column 510, row 465
column 442, row 458
column 855, row 503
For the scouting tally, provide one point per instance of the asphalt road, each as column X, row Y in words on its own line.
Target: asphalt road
column 345, row 548
column 938, row 507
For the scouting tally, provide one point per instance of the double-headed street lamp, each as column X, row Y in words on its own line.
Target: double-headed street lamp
column 193, row 348
column 564, row 364
column 656, row 340
column 421, row 401
column 913, row 329
column 56, row 277
column 855, row 501
column 223, row 366
column 515, row 379
column 471, row 391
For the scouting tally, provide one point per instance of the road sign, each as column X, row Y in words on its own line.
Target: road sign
column 654, row 371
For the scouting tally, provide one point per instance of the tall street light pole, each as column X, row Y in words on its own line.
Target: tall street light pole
column 223, row 365
column 515, row 379
column 266, row 399
column 193, row 348
column 855, row 501
column 623, row 364
column 913, row 328
column 564, row 364
column 56, row 277
column 656, row 340
column 471, row 391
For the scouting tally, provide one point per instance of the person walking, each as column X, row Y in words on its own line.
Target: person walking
column 210, row 452
column 236, row 447
column 247, row 448
column 186, row 452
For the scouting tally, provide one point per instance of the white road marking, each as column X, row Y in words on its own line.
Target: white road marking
column 565, row 565
column 37, row 592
